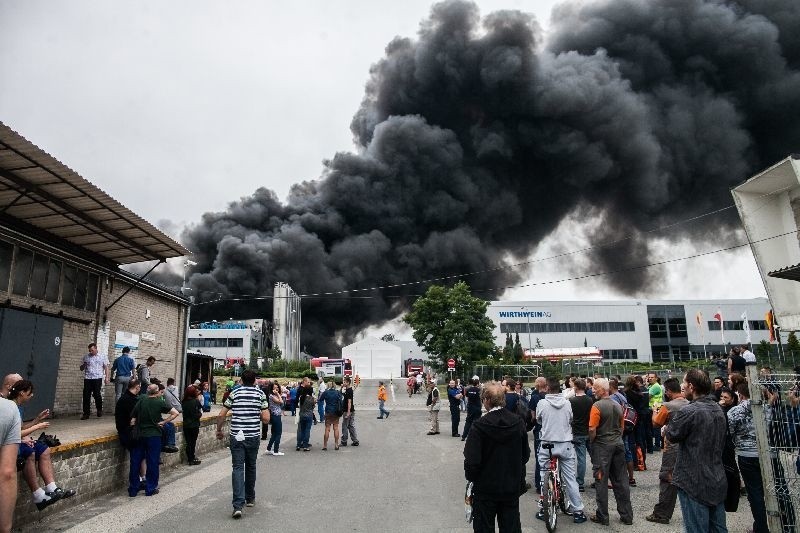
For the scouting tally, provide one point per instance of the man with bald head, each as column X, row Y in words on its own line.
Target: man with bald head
column 8, row 382
column 495, row 455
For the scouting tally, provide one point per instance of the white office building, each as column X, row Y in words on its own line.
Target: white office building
column 634, row 330
column 227, row 341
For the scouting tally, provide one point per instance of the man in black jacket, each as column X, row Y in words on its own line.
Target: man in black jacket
column 495, row 455
column 122, row 418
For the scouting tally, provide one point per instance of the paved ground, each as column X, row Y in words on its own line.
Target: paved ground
column 399, row 479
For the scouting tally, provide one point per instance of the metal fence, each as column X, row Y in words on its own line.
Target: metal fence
column 775, row 400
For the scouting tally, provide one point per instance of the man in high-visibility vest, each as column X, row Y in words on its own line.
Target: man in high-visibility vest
column 382, row 400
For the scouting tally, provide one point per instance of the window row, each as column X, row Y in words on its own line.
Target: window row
column 619, row 353
column 567, row 327
column 34, row 275
column 737, row 325
column 216, row 343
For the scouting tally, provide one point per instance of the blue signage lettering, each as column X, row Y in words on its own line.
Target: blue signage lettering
column 525, row 314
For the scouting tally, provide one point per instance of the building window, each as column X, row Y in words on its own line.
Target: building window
column 39, row 276
column 6, row 256
column 68, row 291
column 619, row 353
column 23, row 262
column 737, row 325
column 53, row 281
column 566, row 327
column 235, row 343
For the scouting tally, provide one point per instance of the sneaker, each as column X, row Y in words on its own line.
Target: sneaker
column 657, row 519
column 342, row 443
column 578, row 517
column 354, row 444
column 237, row 514
column 297, row 449
column 632, row 482
column 431, row 433
column 387, row 415
column 540, row 515
column 269, row 452
column 61, row 493
column 306, row 449
column 581, row 488
column 170, row 449
column 155, row 491
column 250, row 503
column 195, row 462
column 278, row 454
column 380, row 418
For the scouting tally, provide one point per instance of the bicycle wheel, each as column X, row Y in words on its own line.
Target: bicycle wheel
column 562, row 500
column 549, row 503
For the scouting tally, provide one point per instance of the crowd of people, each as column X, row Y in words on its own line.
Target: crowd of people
column 703, row 429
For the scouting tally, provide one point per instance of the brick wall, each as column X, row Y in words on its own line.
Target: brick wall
column 99, row 466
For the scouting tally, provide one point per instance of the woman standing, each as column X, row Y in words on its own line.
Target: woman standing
column 638, row 444
column 332, row 414
column 192, row 411
column 206, row 398
column 275, row 402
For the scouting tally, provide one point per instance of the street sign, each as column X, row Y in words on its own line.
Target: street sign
column 451, row 364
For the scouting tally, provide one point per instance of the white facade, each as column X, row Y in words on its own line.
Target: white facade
column 222, row 343
column 643, row 330
column 374, row 358
column 768, row 205
column 410, row 350
column 286, row 322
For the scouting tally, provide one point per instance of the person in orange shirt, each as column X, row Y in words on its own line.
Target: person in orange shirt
column 382, row 400
column 668, row 493
column 608, row 455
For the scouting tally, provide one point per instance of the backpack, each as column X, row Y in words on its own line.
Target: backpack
column 429, row 401
column 339, row 404
column 139, row 369
column 525, row 414
column 630, row 417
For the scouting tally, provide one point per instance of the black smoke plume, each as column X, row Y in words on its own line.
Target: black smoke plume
column 476, row 138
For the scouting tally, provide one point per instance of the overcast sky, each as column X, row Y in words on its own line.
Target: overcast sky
column 176, row 108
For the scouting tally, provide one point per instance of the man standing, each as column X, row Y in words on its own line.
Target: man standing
column 473, row 395
column 581, row 406
column 172, row 399
column 608, row 455
column 143, row 373
column 656, row 398
column 668, row 493
column 699, row 431
column 349, row 414
column 434, row 408
column 494, row 461
column 248, row 407
column 538, row 393
column 123, row 412
column 10, row 431
column 748, row 356
column 454, row 397
column 740, row 419
column 147, row 416
column 382, row 400
column 122, row 368
column 554, row 414
column 719, row 382
column 95, row 373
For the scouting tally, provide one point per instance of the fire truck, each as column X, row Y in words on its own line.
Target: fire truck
column 413, row 366
column 325, row 367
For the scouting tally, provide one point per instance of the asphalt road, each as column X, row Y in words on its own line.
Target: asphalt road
column 399, row 479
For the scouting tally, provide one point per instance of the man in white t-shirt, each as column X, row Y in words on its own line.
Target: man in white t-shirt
column 748, row 356
column 10, row 431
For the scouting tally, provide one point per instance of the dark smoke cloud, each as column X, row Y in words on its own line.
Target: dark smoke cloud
column 476, row 139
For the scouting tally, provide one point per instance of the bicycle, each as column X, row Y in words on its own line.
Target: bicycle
column 552, row 491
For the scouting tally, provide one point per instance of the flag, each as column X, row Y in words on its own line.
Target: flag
column 699, row 319
column 700, row 329
column 746, row 327
column 718, row 317
column 770, row 320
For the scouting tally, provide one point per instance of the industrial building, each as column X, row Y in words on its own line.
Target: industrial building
column 227, row 342
column 63, row 242
column 634, row 330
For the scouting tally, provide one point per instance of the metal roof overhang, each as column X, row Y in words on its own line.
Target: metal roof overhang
column 42, row 192
column 790, row 272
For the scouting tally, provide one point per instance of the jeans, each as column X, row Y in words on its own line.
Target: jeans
column 537, row 475
column 381, row 410
column 699, row 517
column 149, row 450
column 349, row 425
column 472, row 415
column 566, row 454
column 168, row 435
column 120, row 386
column 293, row 406
column 579, row 443
column 243, row 457
column 306, row 421
column 750, row 469
column 455, row 419
column 91, row 388
column 190, row 436
column 321, row 411
column 276, row 424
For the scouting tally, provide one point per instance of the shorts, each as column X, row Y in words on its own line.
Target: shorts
column 331, row 420
column 38, row 448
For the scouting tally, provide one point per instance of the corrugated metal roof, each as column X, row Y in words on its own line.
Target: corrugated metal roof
column 39, row 190
column 790, row 272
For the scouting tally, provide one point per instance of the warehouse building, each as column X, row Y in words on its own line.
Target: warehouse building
column 634, row 330
column 62, row 244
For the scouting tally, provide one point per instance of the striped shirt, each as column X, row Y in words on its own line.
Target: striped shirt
column 246, row 404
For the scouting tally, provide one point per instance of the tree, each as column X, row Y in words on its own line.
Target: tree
column 508, row 349
column 519, row 353
column 451, row 323
column 763, row 349
column 792, row 344
column 389, row 337
column 253, row 364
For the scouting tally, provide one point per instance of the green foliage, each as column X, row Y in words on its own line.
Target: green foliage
column 508, row 349
column 762, row 350
column 518, row 351
column 253, row 363
column 450, row 322
column 792, row 344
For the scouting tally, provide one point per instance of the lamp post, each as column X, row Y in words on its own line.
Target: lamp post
column 528, row 322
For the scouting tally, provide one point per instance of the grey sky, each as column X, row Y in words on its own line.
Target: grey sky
column 175, row 108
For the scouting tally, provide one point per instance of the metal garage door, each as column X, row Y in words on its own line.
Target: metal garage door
column 30, row 345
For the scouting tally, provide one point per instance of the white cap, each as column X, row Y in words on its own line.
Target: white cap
column 476, row 377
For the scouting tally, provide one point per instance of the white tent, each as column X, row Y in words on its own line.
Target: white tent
column 374, row 358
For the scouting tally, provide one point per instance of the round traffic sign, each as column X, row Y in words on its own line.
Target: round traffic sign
column 451, row 363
